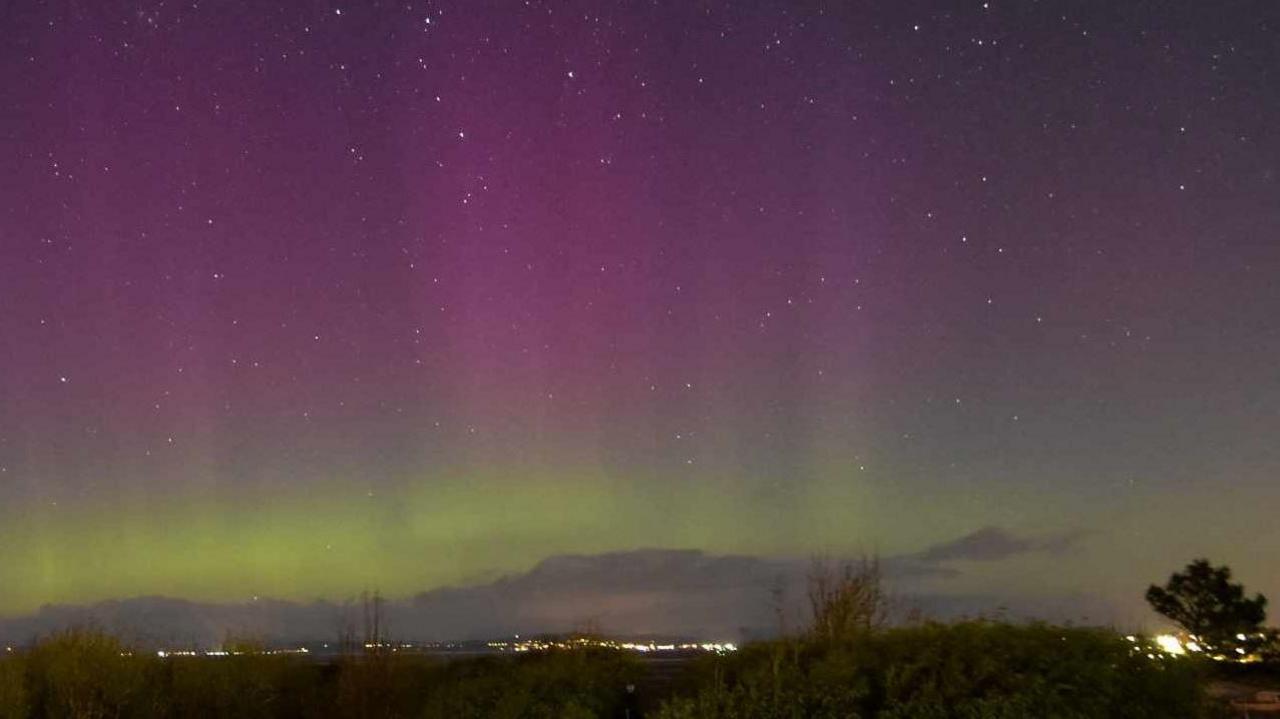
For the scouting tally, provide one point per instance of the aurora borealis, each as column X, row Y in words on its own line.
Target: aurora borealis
column 303, row 298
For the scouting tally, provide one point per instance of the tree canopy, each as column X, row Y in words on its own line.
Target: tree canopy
column 1202, row 600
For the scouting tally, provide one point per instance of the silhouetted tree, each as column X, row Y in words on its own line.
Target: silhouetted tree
column 847, row 599
column 1202, row 600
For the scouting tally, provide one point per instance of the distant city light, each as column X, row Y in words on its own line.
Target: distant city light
column 516, row 645
column 1174, row 645
column 536, row 645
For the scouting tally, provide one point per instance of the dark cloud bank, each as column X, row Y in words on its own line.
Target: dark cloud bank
column 643, row 592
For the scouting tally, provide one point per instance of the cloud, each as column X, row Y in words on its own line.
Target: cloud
column 179, row 622
column 992, row 543
column 647, row 591
column 655, row 592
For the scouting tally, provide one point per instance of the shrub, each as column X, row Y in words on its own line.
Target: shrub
column 91, row 675
column 972, row 670
column 242, row 686
column 13, row 688
column 381, row 685
column 86, row 674
column 568, row 684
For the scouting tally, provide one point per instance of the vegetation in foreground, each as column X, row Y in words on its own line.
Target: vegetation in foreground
column 846, row 663
column 91, row 675
column 1215, row 613
column 970, row 670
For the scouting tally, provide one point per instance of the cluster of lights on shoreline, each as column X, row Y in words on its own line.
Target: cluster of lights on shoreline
column 166, row 653
column 1176, row 646
column 1171, row 645
column 537, row 645
column 516, row 645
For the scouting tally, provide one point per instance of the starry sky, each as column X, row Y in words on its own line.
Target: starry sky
column 302, row 298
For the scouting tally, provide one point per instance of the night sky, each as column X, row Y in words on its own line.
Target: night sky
column 299, row 299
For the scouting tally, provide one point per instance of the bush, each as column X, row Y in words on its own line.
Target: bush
column 972, row 670
column 381, row 685
column 242, row 686
column 91, row 675
column 567, row 684
column 13, row 687
column 85, row 674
